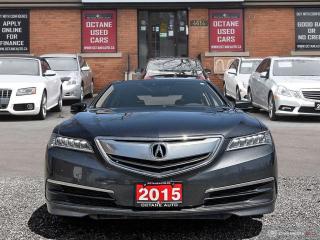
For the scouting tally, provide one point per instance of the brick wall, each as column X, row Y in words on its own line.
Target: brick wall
column 268, row 31
column 59, row 31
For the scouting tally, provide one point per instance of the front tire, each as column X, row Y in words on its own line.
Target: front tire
column 272, row 108
column 43, row 107
column 58, row 108
column 91, row 90
column 81, row 94
column 250, row 100
column 238, row 95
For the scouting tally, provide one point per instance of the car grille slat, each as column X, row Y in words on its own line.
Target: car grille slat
column 5, row 95
column 135, row 155
column 313, row 95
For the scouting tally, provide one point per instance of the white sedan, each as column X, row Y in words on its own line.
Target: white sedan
column 28, row 87
column 236, row 78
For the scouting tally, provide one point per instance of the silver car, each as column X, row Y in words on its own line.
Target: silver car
column 286, row 86
column 75, row 73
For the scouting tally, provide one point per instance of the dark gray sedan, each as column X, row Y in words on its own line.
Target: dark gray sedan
column 166, row 148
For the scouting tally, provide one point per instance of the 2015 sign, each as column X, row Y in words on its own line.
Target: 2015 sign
column 99, row 31
column 226, row 30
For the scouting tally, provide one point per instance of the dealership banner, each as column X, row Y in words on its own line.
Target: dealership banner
column 308, row 28
column 226, row 30
column 14, row 35
column 99, row 31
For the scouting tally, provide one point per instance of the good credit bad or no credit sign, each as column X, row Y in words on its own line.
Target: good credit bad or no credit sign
column 99, row 31
column 226, row 30
column 14, row 36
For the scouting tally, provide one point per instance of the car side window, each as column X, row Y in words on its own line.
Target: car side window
column 262, row 66
column 234, row 64
column 82, row 62
column 44, row 66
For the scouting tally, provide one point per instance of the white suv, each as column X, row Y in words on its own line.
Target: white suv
column 286, row 86
column 28, row 87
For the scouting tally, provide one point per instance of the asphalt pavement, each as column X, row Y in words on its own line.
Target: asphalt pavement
column 23, row 212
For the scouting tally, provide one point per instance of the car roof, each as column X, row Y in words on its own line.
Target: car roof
column 59, row 55
column 20, row 56
column 173, row 58
column 294, row 58
column 160, row 80
column 252, row 59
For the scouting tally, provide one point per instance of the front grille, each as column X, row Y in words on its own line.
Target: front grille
column 313, row 95
column 309, row 110
column 5, row 95
column 250, row 193
column 136, row 155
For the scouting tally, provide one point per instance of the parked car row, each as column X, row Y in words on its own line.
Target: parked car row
column 34, row 85
column 283, row 86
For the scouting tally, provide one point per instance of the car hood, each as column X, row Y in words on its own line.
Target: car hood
column 160, row 124
column 19, row 81
column 298, row 82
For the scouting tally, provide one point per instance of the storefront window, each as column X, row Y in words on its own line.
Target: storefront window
column 14, row 32
column 226, row 30
column 99, row 31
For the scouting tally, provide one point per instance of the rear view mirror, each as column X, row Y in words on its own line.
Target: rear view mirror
column 78, row 107
column 85, row 68
column 243, row 105
column 232, row 71
column 49, row 73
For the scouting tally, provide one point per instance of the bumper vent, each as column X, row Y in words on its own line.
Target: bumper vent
column 142, row 155
column 5, row 95
column 313, row 95
column 309, row 110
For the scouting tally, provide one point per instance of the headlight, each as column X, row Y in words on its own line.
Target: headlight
column 26, row 91
column 72, row 82
column 288, row 93
column 70, row 143
column 263, row 138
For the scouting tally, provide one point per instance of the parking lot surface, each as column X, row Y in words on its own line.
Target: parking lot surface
column 23, row 212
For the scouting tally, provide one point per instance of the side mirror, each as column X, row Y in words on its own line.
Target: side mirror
column 49, row 73
column 243, row 105
column 78, row 107
column 264, row 75
column 85, row 68
column 232, row 71
column 207, row 71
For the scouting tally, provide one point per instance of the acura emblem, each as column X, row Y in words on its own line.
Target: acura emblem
column 159, row 150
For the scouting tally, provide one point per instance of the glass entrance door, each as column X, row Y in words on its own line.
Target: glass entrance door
column 162, row 34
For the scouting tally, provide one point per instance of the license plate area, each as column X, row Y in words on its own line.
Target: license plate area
column 159, row 195
column 317, row 106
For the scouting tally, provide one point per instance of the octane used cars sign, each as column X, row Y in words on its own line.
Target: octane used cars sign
column 14, row 35
column 99, row 30
column 226, row 30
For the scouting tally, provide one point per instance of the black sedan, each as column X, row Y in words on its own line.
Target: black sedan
column 166, row 148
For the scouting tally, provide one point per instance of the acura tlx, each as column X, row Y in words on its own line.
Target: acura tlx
column 165, row 148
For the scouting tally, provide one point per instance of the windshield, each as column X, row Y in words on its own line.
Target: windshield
column 296, row 67
column 248, row 67
column 63, row 64
column 161, row 93
column 174, row 65
column 14, row 66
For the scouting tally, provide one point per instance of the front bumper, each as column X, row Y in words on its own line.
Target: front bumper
column 18, row 100
column 242, row 183
column 71, row 92
column 299, row 106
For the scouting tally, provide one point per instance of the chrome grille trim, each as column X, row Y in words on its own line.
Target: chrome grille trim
column 5, row 95
column 171, row 165
column 311, row 94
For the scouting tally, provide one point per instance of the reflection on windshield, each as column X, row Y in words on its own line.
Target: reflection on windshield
column 172, row 65
column 63, row 64
column 296, row 67
column 15, row 66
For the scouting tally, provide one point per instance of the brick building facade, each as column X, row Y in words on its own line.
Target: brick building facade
column 269, row 28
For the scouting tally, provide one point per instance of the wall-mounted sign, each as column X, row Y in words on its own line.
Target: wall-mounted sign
column 99, row 31
column 308, row 28
column 14, row 35
column 226, row 30
column 199, row 23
